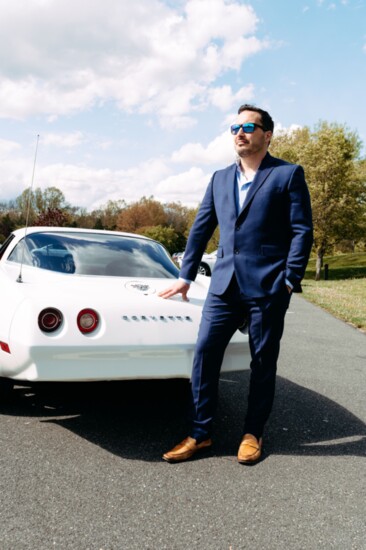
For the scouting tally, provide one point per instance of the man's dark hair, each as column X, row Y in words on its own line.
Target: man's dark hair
column 266, row 117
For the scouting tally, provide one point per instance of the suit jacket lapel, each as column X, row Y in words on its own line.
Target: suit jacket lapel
column 262, row 174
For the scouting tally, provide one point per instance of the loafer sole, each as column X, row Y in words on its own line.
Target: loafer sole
column 187, row 455
column 250, row 462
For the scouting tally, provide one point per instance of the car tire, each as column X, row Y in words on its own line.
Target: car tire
column 204, row 270
column 68, row 265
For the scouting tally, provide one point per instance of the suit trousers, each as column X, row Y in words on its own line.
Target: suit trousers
column 221, row 317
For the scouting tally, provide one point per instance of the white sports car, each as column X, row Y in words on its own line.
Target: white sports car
column 80, row 304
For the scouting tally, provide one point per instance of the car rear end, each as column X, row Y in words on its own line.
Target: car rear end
column 108, row 329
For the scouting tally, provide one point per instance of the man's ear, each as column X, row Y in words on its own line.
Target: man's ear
column 269, row 135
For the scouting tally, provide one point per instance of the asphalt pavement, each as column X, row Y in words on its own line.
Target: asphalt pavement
column 80, row 464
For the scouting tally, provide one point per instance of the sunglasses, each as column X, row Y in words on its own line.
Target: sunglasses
column 248, row 128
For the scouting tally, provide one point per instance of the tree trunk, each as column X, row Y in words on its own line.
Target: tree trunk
column 319, row 264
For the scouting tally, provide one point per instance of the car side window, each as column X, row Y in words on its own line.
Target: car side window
column 51, row 256
column 20, row 254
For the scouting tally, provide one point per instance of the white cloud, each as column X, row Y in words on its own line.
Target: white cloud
column 68, row 141
column 20, row 99
column 83, row 185
column 105, row 145
column 155, row 58
column 90, row 187
column 59, row 58
column 187, row 187
column 7, row 147
column 224, row 98
column 279, row 129
column 15, row 176
column 219, row 151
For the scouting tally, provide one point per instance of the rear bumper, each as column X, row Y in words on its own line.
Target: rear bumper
column 53, row 363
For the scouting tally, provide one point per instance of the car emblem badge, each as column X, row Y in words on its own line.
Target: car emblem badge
column 137, row 286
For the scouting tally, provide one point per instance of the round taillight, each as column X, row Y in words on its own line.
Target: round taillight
column 87, row 320
column 49, row 319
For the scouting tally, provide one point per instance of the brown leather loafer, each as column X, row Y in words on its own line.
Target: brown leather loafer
column 186, row 449
column 250, row 449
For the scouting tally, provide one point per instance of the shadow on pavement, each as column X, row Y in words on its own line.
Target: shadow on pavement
column 141, row 419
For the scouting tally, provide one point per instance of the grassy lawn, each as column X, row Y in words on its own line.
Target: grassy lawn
column 344, row 293
column 342, row 266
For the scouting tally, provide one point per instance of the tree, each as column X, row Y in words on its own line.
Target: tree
column 52, row 217
column 51, row 198
column 177, row 217
column 213, row 243
column 164, row 235
column 80, row 217
column 330, row 157
column 146, row 212
column 7, row 225
column 107, row 215
column 26, row 206
column 31, row 204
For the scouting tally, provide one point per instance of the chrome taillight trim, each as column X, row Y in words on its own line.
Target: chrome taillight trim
column 93, row 314
column 55, row 315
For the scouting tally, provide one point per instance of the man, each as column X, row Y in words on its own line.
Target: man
column 262, row 207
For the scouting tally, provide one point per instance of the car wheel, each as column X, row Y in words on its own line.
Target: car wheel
column 204, row 270
column 68, row 265
column 6, row 388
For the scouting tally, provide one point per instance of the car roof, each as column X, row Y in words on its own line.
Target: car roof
column 41, row 229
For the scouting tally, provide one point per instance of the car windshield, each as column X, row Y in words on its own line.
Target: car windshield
column 95, row 254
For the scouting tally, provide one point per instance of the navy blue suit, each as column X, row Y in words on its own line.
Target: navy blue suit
column 262, row 246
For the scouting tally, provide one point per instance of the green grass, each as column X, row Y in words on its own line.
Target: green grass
column 344, row 293
column 342, row 266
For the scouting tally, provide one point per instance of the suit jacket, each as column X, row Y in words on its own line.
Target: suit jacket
column 270, row 239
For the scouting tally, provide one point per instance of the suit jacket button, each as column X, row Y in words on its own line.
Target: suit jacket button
column 236, row 251
column 237, row 227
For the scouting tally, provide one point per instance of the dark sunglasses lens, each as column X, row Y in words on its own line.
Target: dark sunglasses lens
column 235, row 129
column 248, row 128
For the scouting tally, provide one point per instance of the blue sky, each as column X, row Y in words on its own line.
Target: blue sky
column 133, row 99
